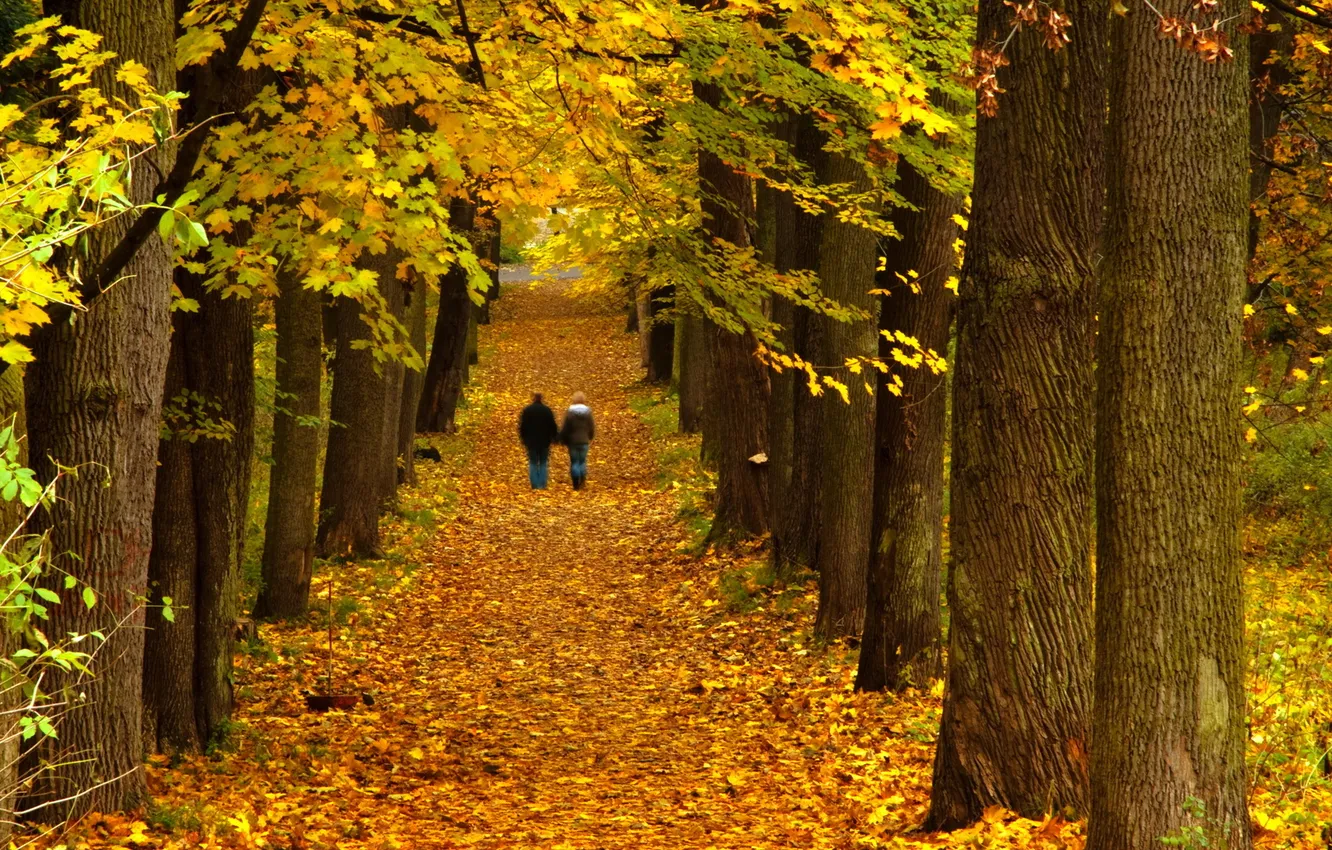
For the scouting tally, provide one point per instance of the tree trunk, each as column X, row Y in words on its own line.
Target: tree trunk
column 781, row 401
column 349, row 505
column 170, row 649
column 411, row 383
column 199, row 518
column 781, row 434
column 496, row 243
column 1269, row 52
column 661, row 335
column 394, row 374
column 94, row 398
column 448, row 354
column 691, row 370
column 473, row 342
column 901, row 644
column 643, row 304
column 741, row 426
column 1016, row 710
column 1170, row 714
column 738, row 382
column 221, row 361
column 798, row 234
column 12, row 514
column 848, row 255
column 289, row 529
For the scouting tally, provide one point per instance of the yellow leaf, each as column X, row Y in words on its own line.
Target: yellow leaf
column 415, row 752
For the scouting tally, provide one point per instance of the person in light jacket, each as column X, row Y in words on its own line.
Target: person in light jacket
column 577, row 432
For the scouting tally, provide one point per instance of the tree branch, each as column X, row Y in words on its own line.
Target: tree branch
column 206, row 86
column 1312, row 17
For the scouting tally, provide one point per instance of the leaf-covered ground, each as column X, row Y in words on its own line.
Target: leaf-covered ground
column 555, row 669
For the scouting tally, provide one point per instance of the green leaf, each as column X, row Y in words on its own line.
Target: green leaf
column 166, row 224
column 89, row 598
column 49, row 595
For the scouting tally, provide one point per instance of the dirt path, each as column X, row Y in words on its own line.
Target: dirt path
column 558, row 656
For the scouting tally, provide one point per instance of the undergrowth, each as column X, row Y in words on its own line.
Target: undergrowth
column 679, row 468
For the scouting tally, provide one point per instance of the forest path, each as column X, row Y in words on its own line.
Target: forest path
column 563, row 688
column 549, row 670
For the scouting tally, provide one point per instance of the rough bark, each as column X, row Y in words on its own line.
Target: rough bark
column 1016, row 709
column 448, row 353
column 221, row 364
column 1170, row 713
column 289, row 529
column 199, row 518
column 781, row 433
column 848, row 255
column 901, row 645
column 94, row 397
column 411, row 384
column 350, row 502
column 737, row 382
column 170, row 650
column 795, row 537
column 691, row 370
column 781, row 401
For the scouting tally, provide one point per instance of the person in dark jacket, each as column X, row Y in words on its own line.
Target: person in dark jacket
column 537, row 430
column 576, row 433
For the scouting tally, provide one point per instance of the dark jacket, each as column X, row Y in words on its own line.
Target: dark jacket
column 578, row 428
column 536, row 427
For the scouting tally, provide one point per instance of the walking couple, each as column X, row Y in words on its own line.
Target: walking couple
column 538, row 431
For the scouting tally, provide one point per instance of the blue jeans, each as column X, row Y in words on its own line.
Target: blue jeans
column 578, row 464
column 538, row 468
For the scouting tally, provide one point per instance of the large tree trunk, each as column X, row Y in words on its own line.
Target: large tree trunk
column 798, row 234
column 781, row 398
column 448, row 354
column 221, row 363
column 171, row 648
column 289, row 529
column 902, row 626
column 848, row 255
column 349, row 505
column 1170, row 714
column 781, row 433
column 691, row 369
column 94, row 398
column 199, row 519
column 1016, row 710
column 411, row 383
column 738, row 382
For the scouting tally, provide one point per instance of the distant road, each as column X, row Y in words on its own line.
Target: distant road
column 523, row 274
